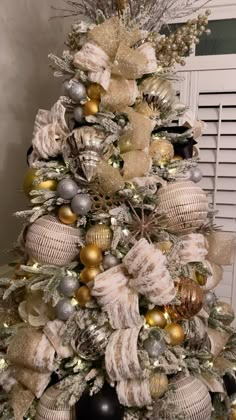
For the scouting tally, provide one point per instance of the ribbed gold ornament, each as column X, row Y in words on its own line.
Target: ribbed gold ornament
column 190, row 295
column 158, row 385
column 100, row 235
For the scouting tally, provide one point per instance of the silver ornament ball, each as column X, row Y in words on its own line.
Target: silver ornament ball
column 64, row 309
column 195, row 175
column 110, row 261
column 77, row 91
column 68, row 286
column 79, row 114
column 67, row 189
column 154, row 347
column 209, row 298
column 81, row 204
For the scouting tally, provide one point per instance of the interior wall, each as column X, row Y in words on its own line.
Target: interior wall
column 27, row 36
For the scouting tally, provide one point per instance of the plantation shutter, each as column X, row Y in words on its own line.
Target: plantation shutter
column 212, row 95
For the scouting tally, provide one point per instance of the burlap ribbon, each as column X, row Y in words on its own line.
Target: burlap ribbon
column 222, row 247
column 33, row 355
column 134, row 142
column 111, row 60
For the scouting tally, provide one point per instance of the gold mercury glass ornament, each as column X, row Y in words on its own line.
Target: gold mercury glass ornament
column 161, row 151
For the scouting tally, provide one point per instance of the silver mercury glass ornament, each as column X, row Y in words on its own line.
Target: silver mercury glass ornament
column 77, row 91
column 91, row 342
column 67, row 189
column 64, row 309
column 154, row 345
column 110, row 261
column 195, row 174
column 81, row 204
column 68, row 286
column 209, row 298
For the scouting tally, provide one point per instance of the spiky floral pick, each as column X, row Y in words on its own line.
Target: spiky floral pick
column 150, row 15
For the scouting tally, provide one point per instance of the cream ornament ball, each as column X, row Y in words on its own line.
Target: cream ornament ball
column 185, row 206
column 192, row 398
column 50, row 242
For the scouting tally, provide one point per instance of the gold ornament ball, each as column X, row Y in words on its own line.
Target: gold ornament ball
column 88, row 274
column 83, row 296
column 164, row 246
column 156, row 318
column 91, row 255
column 66, row 215
column 232, row 415
column 161, row 151
column 94, row 91
column 100, row 235
column 201, row 279
column 190, row 295
column 30, row 178
column 176, row 158
column 158, row 385
column 176, row 334
column 91, row 107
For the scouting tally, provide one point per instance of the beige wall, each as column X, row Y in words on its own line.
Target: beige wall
column 26, row 84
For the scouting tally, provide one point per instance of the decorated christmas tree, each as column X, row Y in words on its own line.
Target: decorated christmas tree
column 110, row 313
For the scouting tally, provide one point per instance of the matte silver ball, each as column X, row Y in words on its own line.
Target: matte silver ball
column 68, row 286
column 77, row 91
column 64, row 309
column 79, row 114
column 81, row 204
column 66, row 87
column 67, row 189
column 110, row 261
column 195, row 175
column 209, row 298
column 154, row 347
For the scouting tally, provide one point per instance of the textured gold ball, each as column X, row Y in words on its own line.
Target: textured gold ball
column 158, row 385
column 66, row 215
column 83, row 296
column 91, row 255
column 156, row 318
column 30, row 178
column 91, row 107
column 100, row 235
column 88, row 274
column 176, row 334
column 94, row 91
column 161, row 151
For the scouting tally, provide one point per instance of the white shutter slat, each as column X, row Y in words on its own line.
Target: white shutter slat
column 209, row 155
column 227, row 184
column 227, row 225
column 210, row 142
column 223, row 197
column 224, row 170
column 211, row 114
column 214, row 99
column 226, row 211
column 226, row 128
column 224, row 291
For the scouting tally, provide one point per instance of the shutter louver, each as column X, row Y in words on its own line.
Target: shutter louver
column 211, row 94
column 218, row 164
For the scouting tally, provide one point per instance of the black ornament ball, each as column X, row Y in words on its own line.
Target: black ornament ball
column 102, row 406
column 230, row 383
